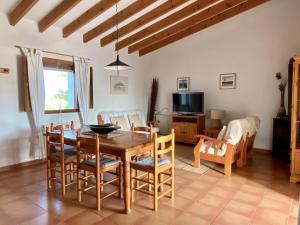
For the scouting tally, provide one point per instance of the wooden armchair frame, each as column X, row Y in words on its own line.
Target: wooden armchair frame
column 233, row 152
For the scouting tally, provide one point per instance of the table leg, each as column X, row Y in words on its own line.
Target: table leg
column 126, row 185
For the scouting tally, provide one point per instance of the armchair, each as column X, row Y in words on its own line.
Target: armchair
column 225, row 151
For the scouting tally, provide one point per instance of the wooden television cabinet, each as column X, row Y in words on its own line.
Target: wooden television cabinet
column 187, row 126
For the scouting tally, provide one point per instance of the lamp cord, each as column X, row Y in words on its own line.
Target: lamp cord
column 117, row 30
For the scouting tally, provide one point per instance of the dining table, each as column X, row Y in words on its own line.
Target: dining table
column 122, row 144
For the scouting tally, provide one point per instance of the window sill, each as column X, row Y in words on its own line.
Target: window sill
column 61, row 111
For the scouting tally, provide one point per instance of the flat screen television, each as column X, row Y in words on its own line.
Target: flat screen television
column 188, row 102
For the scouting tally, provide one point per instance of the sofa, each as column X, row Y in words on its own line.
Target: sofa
column 124, row 119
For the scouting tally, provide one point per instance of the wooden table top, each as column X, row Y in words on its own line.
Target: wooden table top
column 125, row 140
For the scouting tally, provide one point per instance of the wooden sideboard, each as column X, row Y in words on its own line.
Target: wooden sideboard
column 186, row 127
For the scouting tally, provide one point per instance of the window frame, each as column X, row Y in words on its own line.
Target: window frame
column 59, row 64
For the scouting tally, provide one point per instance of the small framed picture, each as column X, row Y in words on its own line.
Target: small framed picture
column 228, row 81
column 183, row 84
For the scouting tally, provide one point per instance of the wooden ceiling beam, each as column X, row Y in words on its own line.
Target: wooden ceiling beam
column 169, row 20
column 88, row 16
column 57, row 13
column 146, row 18
column 20, row 11
column 182, row 25
column 202, row 25
column 124, row 14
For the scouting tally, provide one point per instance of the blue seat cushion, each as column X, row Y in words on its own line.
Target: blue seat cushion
column 149, row 162
column 66, row 148
column 67, row 154
column 104, row 162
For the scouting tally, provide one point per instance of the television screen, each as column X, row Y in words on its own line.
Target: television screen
column 192, row 102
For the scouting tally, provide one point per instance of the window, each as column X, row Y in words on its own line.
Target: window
column 60, row 91
column 60, row 94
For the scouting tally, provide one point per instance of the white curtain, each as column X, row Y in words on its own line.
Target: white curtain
column 82, row 79
column 37, row 97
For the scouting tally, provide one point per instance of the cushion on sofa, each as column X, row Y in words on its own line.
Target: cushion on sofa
column 120, row 120
column 136, row 120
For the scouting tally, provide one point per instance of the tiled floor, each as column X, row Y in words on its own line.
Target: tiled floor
column 259, row 193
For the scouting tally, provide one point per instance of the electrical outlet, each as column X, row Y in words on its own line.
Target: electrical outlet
column 4, row 70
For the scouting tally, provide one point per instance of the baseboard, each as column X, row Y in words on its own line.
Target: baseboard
column 20, row 165
column 262, row 151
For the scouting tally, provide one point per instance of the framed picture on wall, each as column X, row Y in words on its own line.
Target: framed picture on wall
column 118, row 85
column 228, row 81
column 183, row 84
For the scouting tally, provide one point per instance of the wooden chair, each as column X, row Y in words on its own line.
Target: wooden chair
column 58, row 159
column 208, row 148
column 66, row 126
column 157, row 166
column 94, row 165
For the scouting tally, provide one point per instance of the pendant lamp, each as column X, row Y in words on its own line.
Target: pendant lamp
column 117, row 65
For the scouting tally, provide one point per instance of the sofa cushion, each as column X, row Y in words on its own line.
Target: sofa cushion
column 136, row 120
column 120, row 120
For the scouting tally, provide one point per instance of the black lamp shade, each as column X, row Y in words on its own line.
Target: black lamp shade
column 118, row 65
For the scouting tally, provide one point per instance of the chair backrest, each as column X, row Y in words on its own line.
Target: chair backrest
column 66, row 126
column 164, row 145
column 87, row 144
column 137, row 129
column 54, row 139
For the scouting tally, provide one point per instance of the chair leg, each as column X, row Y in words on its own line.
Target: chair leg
column 120, row 180
column 149, row 180
column 161, row 180
column 71, row 172
column 155, row 191
column 101, row 181
column 172, row 183
column 85, row 178
column 78, row 185
column 131, row 186
column 227, row 169
column 196, row 158
column 63, row 178
column 98, row 191
column 49, row 173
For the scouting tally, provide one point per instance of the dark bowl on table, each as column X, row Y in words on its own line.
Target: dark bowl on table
column 103, row 129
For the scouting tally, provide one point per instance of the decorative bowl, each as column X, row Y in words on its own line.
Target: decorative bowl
column 103, row 129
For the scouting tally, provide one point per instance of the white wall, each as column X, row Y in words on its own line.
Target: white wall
column 14, row 124
column 255, row 45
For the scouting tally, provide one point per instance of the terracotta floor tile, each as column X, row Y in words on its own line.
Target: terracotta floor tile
column 85, row 217
column 214, row 201
column 44, row 219
column 252, row 189
column 190, row 193
column 204, row 211
column 268, row 216
column 123, row 219
column 241, row 208
column 178, row 202
column 276, row 205
column 231, row 218
column 222, row 192
column 189, row 219
column 292, row 220
column 252, row 199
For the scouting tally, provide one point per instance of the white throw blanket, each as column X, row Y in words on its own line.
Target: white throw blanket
column 233, row 135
